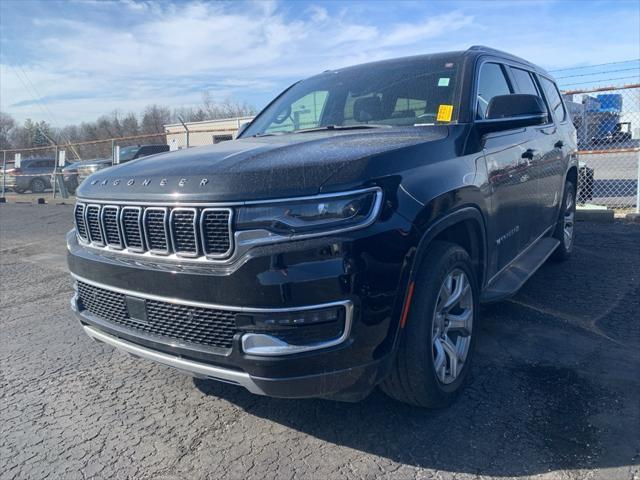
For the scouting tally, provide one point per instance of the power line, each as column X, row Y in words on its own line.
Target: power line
column 600, row 73
column 598, row 81
column 592, row 66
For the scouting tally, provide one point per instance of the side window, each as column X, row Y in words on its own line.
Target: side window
column 554, row 100
column 306, row 112
column 524, row 81
column 492, row 82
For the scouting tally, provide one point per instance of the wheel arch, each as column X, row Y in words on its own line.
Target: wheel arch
column 464, row 226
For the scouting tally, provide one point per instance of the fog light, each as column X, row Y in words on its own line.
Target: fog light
column 278, row 321
column 289, row 332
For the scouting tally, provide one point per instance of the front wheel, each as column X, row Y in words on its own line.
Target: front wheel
column 437, row 343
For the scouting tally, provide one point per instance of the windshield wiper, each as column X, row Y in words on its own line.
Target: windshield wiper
column 341, row 127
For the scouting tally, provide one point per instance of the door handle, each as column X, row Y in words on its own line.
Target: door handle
column 529, row 154
column 559, row 144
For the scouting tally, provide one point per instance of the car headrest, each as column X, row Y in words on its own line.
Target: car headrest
column 367, row 109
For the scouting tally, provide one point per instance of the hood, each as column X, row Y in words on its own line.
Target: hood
column 251, row 168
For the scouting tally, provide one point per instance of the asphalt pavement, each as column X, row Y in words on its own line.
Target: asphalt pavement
column 554, row 392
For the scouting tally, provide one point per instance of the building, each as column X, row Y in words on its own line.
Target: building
column 206, row 132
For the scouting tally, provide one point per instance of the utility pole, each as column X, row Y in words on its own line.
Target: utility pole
column 186, row 129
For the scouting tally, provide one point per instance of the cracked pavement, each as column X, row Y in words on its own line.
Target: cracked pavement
column 554, row 393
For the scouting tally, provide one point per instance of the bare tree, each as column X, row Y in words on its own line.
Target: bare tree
column 155, row 118
column 228, row 108
column 7, row 125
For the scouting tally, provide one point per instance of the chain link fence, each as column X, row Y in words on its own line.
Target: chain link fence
column 57, row 170
column 607, row 122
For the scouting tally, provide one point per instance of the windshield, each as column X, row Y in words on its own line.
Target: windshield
column 401, row 93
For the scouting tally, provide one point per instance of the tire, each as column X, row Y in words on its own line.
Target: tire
column 38, row 185
column 565, row 231
column 19, row 189
column 414, row 377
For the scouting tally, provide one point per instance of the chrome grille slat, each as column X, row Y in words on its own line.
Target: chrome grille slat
column 92, row 220
column 81, row 226
column 131, row 225
column 183, row 231
column 110, row 226
column 215, row 227
column 177, row 231
column 154, row 221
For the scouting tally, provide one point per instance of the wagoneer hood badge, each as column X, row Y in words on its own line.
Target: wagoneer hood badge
column 256, row 168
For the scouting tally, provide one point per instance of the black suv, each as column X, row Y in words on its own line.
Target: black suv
column 345, row 240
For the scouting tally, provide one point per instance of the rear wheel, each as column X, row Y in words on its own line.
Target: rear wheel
column 564, row 231
column 436, row 348
column 38, row 185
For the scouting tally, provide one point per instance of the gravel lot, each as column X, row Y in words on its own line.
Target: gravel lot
column 555, row 391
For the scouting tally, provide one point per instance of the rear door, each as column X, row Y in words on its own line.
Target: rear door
column 558, row 144
column 512, row 187
column 540, row 158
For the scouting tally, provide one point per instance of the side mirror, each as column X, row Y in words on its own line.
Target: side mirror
column 242, row 128
column 506, row 112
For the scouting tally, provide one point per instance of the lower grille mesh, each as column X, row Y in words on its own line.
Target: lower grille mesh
column 202, row 326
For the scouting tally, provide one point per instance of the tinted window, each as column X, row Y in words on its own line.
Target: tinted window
column 492, row 83
column 524, row 81
column 553, row 99
column 43, row 164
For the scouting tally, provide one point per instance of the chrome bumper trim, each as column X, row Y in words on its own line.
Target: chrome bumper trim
column 195, row 369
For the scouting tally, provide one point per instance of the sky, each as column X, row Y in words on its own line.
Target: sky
column 71, row 61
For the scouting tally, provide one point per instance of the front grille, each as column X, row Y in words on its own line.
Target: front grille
column 187, row 232
column 202, row 326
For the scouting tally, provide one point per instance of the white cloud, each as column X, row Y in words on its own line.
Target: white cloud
column 177, row 50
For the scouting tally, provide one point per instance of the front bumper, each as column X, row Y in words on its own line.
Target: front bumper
column 354, row 383
column 362, row 271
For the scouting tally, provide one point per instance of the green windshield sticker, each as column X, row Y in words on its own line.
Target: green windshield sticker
column 443, row 82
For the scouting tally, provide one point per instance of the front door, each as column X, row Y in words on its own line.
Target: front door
column 508, row 157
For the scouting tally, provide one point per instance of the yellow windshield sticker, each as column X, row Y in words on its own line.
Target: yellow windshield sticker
column 445, row 112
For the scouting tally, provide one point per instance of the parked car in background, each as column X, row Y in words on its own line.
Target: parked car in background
column 74, row 174
column 33, row 174
column 126, row 154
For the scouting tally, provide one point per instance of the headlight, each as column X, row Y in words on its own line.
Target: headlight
column 323, row 213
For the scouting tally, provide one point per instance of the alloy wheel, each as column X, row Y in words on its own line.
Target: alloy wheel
column 452, row 326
